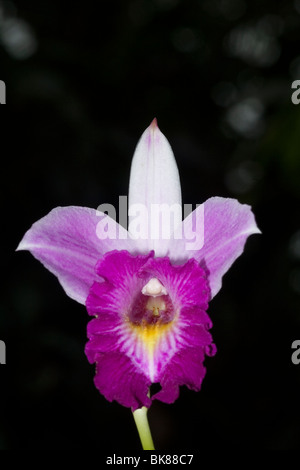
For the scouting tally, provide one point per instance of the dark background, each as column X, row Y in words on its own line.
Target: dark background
column 83, row 82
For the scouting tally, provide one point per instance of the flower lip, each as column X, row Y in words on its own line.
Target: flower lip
column 145, row 339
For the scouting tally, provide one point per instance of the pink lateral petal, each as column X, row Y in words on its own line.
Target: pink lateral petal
column 66, row 242
column 227, row 225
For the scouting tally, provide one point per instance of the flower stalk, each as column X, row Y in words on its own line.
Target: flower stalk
column 142, row 424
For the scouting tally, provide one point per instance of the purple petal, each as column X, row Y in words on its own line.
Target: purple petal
column 227, row 225
column 68, row 242
column 120, row 269
column 185, row 368
column 186, row 284
column 118, row 379
column 154, row 180
column 127, row 339
column 117, row 376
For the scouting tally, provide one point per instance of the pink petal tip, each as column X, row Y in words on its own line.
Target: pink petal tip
column 153, row 124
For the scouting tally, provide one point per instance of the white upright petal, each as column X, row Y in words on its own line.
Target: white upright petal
column 154, row 192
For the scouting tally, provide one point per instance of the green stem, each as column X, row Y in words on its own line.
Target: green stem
column 141, row 421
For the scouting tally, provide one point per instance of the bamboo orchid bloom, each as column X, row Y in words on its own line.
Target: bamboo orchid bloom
column 148, row 295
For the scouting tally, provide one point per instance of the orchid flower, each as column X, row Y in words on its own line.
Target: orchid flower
column 148, row 295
